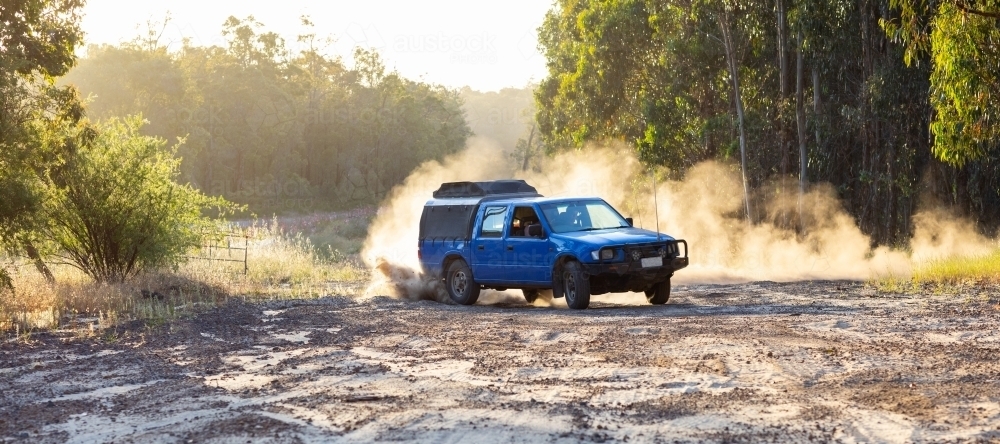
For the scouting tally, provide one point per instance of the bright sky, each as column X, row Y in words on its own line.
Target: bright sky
column 485, row 45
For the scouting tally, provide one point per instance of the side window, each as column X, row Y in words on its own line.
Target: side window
column 493, row 221
column 523, row 216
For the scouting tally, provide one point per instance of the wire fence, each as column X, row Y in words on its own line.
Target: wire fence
column 231, row 246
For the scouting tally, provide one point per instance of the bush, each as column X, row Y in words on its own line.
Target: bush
column 116, row 210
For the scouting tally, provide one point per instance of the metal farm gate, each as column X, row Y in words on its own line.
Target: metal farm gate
column 225, row 247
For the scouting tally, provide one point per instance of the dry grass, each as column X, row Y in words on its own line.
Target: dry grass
column 966, row 270
column 280, row 265
column 947, row 275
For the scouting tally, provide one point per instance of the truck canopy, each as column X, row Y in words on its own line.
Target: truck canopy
column 452, row 212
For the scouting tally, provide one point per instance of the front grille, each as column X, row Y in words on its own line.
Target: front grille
column 637, row 252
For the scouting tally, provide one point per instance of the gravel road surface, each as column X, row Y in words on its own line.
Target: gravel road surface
column 764, row 361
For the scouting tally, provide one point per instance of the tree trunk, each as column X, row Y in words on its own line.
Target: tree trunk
column 727, row 42
column 527, row 149
column 800, row 114
column 32, row 252
column 782, row 85
column 800, row 123
column 816, row 104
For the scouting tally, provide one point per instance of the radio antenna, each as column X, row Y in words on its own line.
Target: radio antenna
column 656, row 208
column 635, row 201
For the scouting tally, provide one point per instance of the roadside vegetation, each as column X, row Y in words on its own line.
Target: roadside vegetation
column 980, row 270
column 118, row 168
column 280, row 265
column 951, row 275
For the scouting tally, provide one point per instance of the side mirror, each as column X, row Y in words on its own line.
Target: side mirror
column 630, row 222
column 534, row 230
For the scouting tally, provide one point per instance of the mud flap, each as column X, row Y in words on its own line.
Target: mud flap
column 557, row 285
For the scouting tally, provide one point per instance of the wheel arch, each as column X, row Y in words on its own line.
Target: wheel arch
column 449, row 259
column 557, row 266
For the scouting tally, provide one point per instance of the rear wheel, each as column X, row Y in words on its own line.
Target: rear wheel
column 461, row 287
column 576, row 286
column 659, row 294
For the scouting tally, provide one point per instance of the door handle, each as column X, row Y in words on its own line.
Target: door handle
column 481, row 247
column 510, row 248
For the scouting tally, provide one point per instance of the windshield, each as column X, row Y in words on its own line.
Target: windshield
column 582, row 216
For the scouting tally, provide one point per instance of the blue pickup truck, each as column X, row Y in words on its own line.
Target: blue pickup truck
column 504, row 235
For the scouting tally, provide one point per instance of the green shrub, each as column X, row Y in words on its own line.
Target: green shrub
column 116, row 209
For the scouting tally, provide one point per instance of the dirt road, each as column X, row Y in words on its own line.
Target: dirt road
column 822, row 361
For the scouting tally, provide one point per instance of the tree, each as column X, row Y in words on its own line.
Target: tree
column 659, row 76
column 39, row 36
column 37, row 43
column 725, row 24
column 275, row 129
column 962, row 38
column 116, row 209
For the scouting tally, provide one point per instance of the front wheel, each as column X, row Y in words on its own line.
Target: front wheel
column 461, row 287
column 576, row 286
column 659, row 294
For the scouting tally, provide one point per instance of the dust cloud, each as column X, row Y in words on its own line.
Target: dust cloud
column 819, row 241
column 391, row 246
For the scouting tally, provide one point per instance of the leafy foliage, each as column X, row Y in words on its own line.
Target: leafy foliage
column 39, row 36
column 965, row 84
column 116, row 209
column 37, row 40
column 963, row 41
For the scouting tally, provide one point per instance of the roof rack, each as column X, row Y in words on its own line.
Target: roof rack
column 481, row 189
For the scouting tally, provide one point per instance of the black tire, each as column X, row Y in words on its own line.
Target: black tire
column 659, row 294
column 462, row 288
column 530, row 294
column 576, row 286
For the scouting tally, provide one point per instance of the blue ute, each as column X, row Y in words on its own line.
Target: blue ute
column 504, row 235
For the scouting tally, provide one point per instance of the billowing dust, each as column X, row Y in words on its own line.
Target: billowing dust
column 804, row 237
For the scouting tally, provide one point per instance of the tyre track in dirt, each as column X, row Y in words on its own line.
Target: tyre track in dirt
column 829, row 361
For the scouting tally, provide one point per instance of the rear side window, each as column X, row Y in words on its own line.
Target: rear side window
column 493, row 221
column 447, row 221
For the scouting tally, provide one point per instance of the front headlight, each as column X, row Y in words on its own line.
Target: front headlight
column 605, row 254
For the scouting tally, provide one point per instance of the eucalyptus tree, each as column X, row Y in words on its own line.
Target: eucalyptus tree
column 688, row 80
column 962, row 40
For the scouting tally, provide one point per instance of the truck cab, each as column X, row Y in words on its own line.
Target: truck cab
column 504, row 235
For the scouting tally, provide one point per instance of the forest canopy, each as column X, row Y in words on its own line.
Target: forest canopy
column 277, row 129
column 893, row 102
